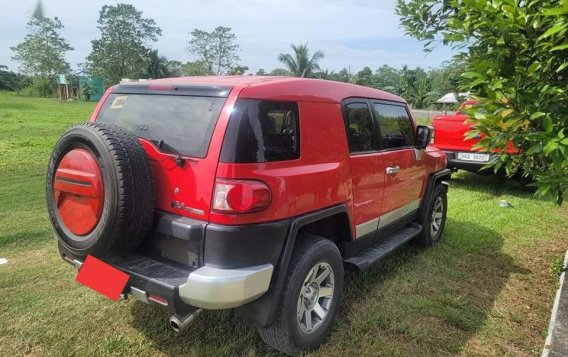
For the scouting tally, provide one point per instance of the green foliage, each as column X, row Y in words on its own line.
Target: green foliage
column 238, row 70
column 216, row 51
column 388, row 79
column 121, row 51
column 300, row 64
column 175, row 68
column 11, row 81
column 197, row 68
column 156, row 65
column 86, row 91
column 418, row 87
column 365, row 77
column 39, row 87
column 556, row 266
column 344, row 75
column 280, row 72
column 517, row 59
column 42, row 53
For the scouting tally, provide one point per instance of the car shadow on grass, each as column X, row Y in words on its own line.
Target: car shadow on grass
column 426, row 301
column 415, row 302
column 491, row 184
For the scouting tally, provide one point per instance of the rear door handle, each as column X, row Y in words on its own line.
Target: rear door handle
column 391, row 170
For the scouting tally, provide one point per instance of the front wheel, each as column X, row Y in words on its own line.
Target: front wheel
column 435, row 221
column 308, row 307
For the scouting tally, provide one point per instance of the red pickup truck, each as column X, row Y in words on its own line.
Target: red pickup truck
column 449, row 136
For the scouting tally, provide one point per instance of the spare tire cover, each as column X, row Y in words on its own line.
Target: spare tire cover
column 100, row 190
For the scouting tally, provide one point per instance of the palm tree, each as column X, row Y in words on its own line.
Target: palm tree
column 300, row 64
column 156, row 65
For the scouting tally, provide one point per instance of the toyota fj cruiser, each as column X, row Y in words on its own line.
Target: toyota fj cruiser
column 250, row 193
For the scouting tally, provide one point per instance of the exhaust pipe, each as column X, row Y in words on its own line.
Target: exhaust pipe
column 179, row 323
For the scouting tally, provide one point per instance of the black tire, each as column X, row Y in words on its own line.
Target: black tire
column 128, row 180
column 428, row 236
column 285, row 334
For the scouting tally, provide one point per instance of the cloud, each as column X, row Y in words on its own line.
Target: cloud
column 352, row 33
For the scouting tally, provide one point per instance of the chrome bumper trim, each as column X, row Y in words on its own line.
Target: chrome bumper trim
column 214, row 288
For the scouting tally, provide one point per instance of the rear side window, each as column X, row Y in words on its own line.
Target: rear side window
column 395, row 125
column 262, row 131
column 359, row 125
column 176, row 124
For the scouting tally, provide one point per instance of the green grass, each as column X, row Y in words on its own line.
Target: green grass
column 486, row 289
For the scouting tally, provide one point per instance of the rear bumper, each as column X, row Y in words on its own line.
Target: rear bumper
column 189, row 263
column 156, row 282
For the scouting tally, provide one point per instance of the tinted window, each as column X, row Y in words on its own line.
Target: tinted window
column 176, row 124
column 262, row 131
column 359, row 125
column 395, row 125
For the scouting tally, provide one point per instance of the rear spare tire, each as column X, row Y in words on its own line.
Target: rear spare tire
column 100, row 190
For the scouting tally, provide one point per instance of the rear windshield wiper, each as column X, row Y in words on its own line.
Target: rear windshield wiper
column 162, row 145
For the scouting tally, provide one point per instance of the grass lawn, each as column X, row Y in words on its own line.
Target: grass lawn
column 486, row 289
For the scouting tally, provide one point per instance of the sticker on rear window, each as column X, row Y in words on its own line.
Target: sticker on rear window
column 118, row 102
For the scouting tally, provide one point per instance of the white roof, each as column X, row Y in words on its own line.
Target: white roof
column 450, row 98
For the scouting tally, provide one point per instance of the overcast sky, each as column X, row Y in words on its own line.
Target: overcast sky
column 351, row 33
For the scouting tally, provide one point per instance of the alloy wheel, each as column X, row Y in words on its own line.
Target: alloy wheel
column 316, row 296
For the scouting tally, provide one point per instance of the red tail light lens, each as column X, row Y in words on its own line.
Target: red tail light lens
column 241, row 196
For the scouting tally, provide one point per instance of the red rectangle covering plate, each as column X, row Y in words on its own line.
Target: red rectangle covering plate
column 102, row 278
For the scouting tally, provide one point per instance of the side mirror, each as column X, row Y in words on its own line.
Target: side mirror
column 423, row 136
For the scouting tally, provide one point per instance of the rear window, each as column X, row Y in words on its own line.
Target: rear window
column 360, row 128
column 262, row 131
column 180, row 125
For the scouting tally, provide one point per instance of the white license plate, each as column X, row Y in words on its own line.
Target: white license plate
column 469, row 156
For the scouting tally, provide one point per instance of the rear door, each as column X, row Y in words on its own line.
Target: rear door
column 176, row 127
column 367, row 166
column 404, row 167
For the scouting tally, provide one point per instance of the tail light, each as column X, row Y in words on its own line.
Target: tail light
column 433, row 136
column 241, row 196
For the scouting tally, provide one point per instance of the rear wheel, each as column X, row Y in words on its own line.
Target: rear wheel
column 100, row 190
column 308, row 307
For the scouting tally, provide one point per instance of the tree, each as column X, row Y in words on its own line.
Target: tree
column 280, row 72
column 42, row 53
column 156, row 65
column 365, row 77
column 388, row 78
column 238, row 70
column 175, row 68
column 447, row 78
column 196, row 68
column 217, row 50
column 86, row 91
column 517, row 59
column 344, row 75
column 10, row 80
column 260, row 72
column 122, row 49
column 300, row 64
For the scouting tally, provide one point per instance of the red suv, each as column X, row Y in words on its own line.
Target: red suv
column 250, row 193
